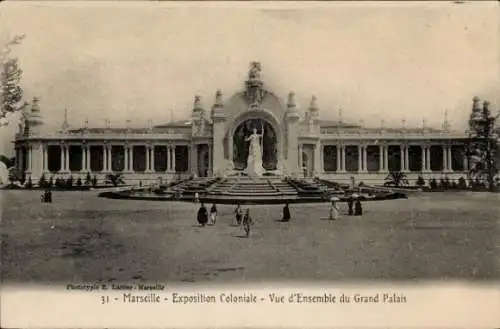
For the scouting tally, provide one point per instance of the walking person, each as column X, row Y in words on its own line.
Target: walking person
column 247, row 222
column 196, row 197
column 334, row 210
column 350, row 204
column 238, row 214
column 286, row 213
column 202, row 215
column 213, row 214
column 358, row 208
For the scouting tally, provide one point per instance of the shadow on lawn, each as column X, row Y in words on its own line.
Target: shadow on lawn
column 88, row 243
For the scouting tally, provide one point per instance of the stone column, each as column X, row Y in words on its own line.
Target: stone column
column 422, row 161
column 322, row 159
column 88, row 168
column 300, row 157
column 381, row 158
column 343, row 159
column 189, row 158
column 110, row 158
column 104, row 158
column 45, row 158
column 445, row 158
column 428, row 158
column 153, row 158
column 317, row 157
column 210, row 159
column 84, row 158
column 148, row 158
column 450, row 159
column 131, row 158
column 339, row 163
column 67, row 158
column 63, row 162
column 386, row 158
column 126, row 160
column 194, row 159
column 407, row 159
column 365, row 158
column 168, row 159
column 173, row 158
column 29, row 167
column 402, row 156
column 360, row 158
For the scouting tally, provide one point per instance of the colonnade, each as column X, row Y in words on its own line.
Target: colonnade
column 24, row 162
column 383, row 157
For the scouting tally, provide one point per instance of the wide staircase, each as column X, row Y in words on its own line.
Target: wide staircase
column 263, row 190
column 248, row 187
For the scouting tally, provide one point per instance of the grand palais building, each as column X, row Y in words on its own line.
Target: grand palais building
column 212, row 142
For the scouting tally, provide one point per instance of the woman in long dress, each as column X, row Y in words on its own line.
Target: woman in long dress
column 238, row 214
column 286, row 213
column 247, row 222
column 334, row 210
column 202, row 215
column 213, row 214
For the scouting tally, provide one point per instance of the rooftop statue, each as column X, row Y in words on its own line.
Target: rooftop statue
column 254, row 72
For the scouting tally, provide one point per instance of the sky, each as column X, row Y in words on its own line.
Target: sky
column 146, row 60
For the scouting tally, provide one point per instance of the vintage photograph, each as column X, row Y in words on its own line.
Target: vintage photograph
column 237, row 143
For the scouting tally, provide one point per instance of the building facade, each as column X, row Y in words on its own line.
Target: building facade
column 212, row 142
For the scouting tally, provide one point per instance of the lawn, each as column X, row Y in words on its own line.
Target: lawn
column 81, row 237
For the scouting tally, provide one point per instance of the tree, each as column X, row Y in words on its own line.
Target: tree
column 88, row 179
column 114, row 179
column 11, row 93
column 483, row 145
column 29, row 183
column 396, row 178
column 9, row 162
column 69, row 182
column 462, row 183
column 420, row 181
column 42, row 182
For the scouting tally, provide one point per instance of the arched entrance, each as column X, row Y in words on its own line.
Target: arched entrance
column 269, row 143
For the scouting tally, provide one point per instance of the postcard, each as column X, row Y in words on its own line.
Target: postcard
column 250, row 164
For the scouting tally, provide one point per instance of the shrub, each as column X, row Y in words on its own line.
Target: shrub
column 462, row 183
column 22, row 178
column 433, row 184
column 60, row 183
column 88, row 179
column 42, row 182
column 69, row 182
column 420, row 181
column 29, row 183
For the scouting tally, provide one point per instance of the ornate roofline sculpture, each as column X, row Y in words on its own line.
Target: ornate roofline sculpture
column 254, row 86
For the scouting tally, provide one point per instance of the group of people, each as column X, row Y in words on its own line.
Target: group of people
column 205, row 218
column 354, row 205
column 246, row 221
column 46, row 197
